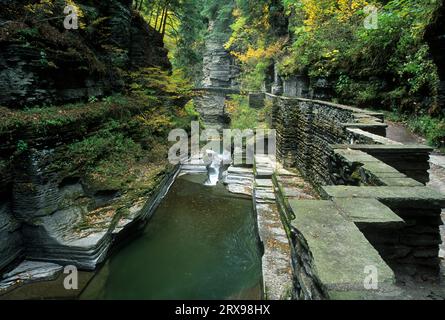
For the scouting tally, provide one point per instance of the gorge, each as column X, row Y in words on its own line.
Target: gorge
column 85, row 178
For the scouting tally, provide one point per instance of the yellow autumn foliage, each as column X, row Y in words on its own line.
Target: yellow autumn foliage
column 317, row 11
column 242, row 30
column 46, row 9
column 79, row 12
column 252, row 55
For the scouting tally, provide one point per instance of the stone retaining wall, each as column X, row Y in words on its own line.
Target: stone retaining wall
column 411, row 248
column 309, row 133
column 305, row 131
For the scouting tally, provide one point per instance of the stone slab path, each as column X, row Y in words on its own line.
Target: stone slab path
column 276, row 261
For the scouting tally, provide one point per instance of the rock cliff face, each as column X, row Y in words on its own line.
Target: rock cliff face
column 43, row 63
column 219, row 67
column 220, row 77
column 48, row 209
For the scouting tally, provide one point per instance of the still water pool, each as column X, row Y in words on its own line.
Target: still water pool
column 201, row 243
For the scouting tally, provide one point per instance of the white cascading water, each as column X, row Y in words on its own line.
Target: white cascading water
column 216, row 166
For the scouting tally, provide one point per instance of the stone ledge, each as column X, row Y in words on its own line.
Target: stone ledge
column 30, row 271
column 371, row 124
column 218, row 89
column 381, row 173
column 407, row 196
column 378, row 139
column 339, row 252
column 399, row 181
column 378, row 115
column 393, row 148
column 276, row 259
column 367, row 211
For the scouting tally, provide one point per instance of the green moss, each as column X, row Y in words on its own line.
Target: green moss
column 356, row 176
column 39, row 120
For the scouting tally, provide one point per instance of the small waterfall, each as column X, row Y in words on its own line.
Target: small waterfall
column 217, row 165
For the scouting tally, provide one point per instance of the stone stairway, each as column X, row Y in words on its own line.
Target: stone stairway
column 239, row 180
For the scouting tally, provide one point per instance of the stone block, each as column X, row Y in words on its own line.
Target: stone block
column 367, row 211
column 339, row 251
column 256, row 100
column 416, row 197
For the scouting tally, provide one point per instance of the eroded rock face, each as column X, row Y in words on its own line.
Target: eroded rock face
column 61, row 219
column 220, row 77
column 43, row 63
column 219, row 68
column 10, row 236
column 29, row 271
column 48, row 212
column 211, row 107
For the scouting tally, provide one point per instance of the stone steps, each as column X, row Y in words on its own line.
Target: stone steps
column 239, row 180
column 264, row 167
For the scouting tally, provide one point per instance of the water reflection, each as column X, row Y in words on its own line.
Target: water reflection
column 200, row 244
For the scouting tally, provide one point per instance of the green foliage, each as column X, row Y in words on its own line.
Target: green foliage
column 257, row 39
column 190, row 110
column 92, row 99
column 43, row 59
column 253, row 78
column 103, row 145
column 22, row 146
column 388, row 67
column 241, row 116
column 188, row 54
column 432, row 128
column 220, row 12
column 29, row 33
column 44, row 119
column 149, row 82
column 117, row 99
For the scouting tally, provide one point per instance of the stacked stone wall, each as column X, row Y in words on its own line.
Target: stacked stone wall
column 309, row 132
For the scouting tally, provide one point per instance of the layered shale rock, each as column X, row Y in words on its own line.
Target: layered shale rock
column 61, row 218
column 30, row 271
column 211, row 107
column 42, row 63
column 50, row 209
column 219, row 68
column 220, row 79
column 11, row 242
